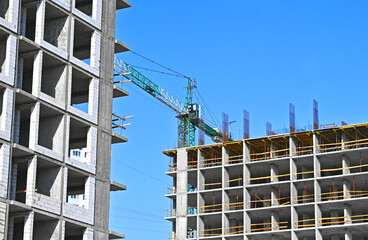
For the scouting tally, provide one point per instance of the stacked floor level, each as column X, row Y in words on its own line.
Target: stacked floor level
column 301, row 186
column 56, row 92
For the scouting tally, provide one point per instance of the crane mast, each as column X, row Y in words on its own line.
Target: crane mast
column 189, row 114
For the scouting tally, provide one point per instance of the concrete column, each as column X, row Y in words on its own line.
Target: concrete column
column 344, row 138
column 181, row 197
column 31, row 180
column 40, row 21
column 347, row 213
column 348, row 234
column 3, row 216
column 292, row 147
column 294, row 218
column 28, row 226
column 19, row 83
column 10, row 228
column 293, row 194
column 318, row 215
column 272, row 149
column 318, row 235
column 347, row 189
column 4, row 169
column 93, row 98
column 97, row 11
column 275, row 196
column 88, row 234
column 92, row 146
column 95, row 50
column 293, row 170
column 16, row 126
column 316, row 148
column 90, row 193
column 65, row 184
column 12, row 15
column 247, row 222
column 13, row 183
column 34, row 125
column 37, row 74
column 23, row 21
column 345, row 164
column 275, row 219
column 62, row 235
column 246, row 151
column 274, row 172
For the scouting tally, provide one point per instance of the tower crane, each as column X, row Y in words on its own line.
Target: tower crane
column 188, row 113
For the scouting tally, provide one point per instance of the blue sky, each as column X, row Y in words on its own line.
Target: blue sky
column 254, row 55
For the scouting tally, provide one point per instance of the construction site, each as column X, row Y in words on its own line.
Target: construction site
column 57, row 127
column 59, row 81
column 302, row 185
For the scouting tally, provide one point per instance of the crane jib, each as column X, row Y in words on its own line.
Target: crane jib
column 123, row 69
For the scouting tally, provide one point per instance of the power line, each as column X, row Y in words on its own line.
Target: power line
column 141, row 172
column 139, row 229
column 152, row 70
column 158, row 63
column 140, row 219
column 137, row 212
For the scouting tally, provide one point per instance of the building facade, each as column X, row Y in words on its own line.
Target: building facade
column 56, row 95
column 301, row 186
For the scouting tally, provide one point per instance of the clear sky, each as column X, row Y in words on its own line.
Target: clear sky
column 256, row 55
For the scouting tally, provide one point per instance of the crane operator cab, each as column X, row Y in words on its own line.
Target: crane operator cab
column 194, row 111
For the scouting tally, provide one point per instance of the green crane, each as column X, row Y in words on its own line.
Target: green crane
column 189, row 113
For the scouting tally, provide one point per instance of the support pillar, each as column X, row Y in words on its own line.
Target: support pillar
column 275, row 219
column 31, row 180
column 348, row 234
column 181, row 197
column 28, row 226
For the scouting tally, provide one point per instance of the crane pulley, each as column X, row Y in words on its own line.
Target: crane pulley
column 188, row 113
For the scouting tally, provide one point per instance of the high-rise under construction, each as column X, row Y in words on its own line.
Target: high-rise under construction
column 56, row 95
column 301, row 185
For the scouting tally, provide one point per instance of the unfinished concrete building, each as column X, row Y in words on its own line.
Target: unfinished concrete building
column 300, row 186
column 56, row 95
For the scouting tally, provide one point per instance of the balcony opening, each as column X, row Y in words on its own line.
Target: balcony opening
column 210, row 225
column 28, row 20
column 78, row 133
column 235, row 152
column 210, row 202
column 18, row 228
column 73, row 231
column 50, row 131
column 48, row 179
column 234, row 176
column 81, row 90
column 234, row 199
column 234, row 223
column 192, row 181
column 85, row 6
column 211, row 179
column 4, row 8
column 211, row 157
column 82, row 42
column 53, row 78
column 22, row 123
column 3, row 52
column 76, row 193
column 21, row 181
column 56, row 27
column 45, row 227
